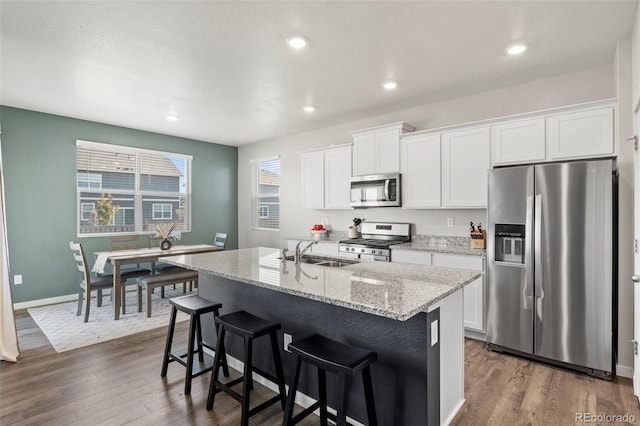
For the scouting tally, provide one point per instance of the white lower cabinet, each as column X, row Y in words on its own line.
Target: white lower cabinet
column 473, row 292
column 411, row 256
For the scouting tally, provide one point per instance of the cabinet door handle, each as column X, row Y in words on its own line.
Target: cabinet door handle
column 635, row 278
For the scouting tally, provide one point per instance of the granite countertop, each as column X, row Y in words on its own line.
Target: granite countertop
column 393, row 290
column 331, row 238
column 434, row 244
column 464, row 250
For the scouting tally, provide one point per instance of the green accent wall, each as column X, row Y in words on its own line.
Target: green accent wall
column 38, row 160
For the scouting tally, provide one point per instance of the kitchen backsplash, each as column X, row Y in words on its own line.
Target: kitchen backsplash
column 440, row 240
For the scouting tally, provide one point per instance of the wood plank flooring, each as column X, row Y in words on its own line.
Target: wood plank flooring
column 118, row 382
column 502, row 389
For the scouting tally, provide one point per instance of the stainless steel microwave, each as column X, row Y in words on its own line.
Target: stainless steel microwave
column 381, row 190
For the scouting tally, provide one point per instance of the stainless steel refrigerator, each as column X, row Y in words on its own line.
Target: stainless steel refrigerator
column 551, row 259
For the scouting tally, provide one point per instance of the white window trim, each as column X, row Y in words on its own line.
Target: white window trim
column 89, row 180
column 138, row 194
column 260, row 215
column 82, row 211
column 256, row 197
column 162, row 211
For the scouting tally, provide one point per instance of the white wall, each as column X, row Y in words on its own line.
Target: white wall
column 588, row 85
column 624, row 126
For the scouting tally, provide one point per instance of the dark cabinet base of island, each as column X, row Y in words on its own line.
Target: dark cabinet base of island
column 412, row 375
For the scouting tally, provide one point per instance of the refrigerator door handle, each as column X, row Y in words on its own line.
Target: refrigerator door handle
column 527, row 293
column 538, row 255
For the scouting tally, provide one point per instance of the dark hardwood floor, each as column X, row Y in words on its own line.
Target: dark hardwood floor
column 118, row 382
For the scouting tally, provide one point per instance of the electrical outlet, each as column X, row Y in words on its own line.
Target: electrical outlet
column 287, row 340
column 450, row 222
column 17, row 279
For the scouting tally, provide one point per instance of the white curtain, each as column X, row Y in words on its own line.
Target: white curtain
column 8, row 337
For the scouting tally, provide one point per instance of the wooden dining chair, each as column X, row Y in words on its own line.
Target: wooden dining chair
column 87, row 282
column 159, row 268
column 220, row 240
column 127, row 242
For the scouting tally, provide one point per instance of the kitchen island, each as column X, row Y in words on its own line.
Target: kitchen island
column 411, row 315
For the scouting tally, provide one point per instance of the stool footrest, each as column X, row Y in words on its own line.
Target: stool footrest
column 264, row 374
column 226, row 387
column 262, row 406
column 198, row 367
column 310, row 409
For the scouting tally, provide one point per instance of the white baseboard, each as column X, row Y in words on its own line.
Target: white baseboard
column 453, row 414
column 42, row 302
column 624, row 371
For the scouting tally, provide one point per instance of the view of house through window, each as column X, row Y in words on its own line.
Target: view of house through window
column 266, row 197
column 128, row 190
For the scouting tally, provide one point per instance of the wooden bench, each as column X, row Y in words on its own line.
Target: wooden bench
column 178, row 275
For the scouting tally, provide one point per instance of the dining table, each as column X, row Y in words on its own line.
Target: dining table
column 117, row 258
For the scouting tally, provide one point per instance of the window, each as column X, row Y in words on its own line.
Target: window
column 129, row 190
column 266, row 193
column 89, row 180
column 87, row 210
column 162, row 211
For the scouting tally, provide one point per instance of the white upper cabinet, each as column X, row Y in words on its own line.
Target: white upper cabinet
column 377, row 150
column 581, row 134
column 465, row 161
column 325, row 178
column 520, row 141
column 337, row 174
column 312, row 180
column 420, row 168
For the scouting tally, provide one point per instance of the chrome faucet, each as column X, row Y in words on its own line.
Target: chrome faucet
column 299, row 253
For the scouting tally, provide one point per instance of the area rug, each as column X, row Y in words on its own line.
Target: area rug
column 66, row 331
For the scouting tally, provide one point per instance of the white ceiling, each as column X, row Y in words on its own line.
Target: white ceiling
column 226, row 70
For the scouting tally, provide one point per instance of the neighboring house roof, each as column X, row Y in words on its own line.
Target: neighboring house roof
column 91, row 160
column 268, row 178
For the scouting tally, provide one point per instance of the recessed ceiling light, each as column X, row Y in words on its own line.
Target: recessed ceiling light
column 516, row 49
column 172, row 117
column 309, row 108
column 297, row 42
column 390, row 85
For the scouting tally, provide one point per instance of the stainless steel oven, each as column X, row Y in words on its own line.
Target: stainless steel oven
column 381, row 190
column 376, row 240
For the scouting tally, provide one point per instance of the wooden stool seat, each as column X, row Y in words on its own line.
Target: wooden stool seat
column 338, row 358
column 249, row 327
column 195, row 306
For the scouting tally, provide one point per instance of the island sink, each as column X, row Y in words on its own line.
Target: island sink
column 324, row 261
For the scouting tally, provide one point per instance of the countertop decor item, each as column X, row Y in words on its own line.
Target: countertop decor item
column 166, row 231
column 318, row 232
column 478, row 236
column 353, row 230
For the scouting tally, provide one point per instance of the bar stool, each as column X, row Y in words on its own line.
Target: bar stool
column 337, row 358
column 194, row 306
column 249, row 327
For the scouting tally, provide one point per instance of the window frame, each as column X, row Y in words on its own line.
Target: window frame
column 139, row 196
column 82, row 211
column 257, row 197
column 162, row 211
column 89, row 175
column 262, row 215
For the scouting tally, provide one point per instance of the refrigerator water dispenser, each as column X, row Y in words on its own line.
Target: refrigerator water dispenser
column 510, row 243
